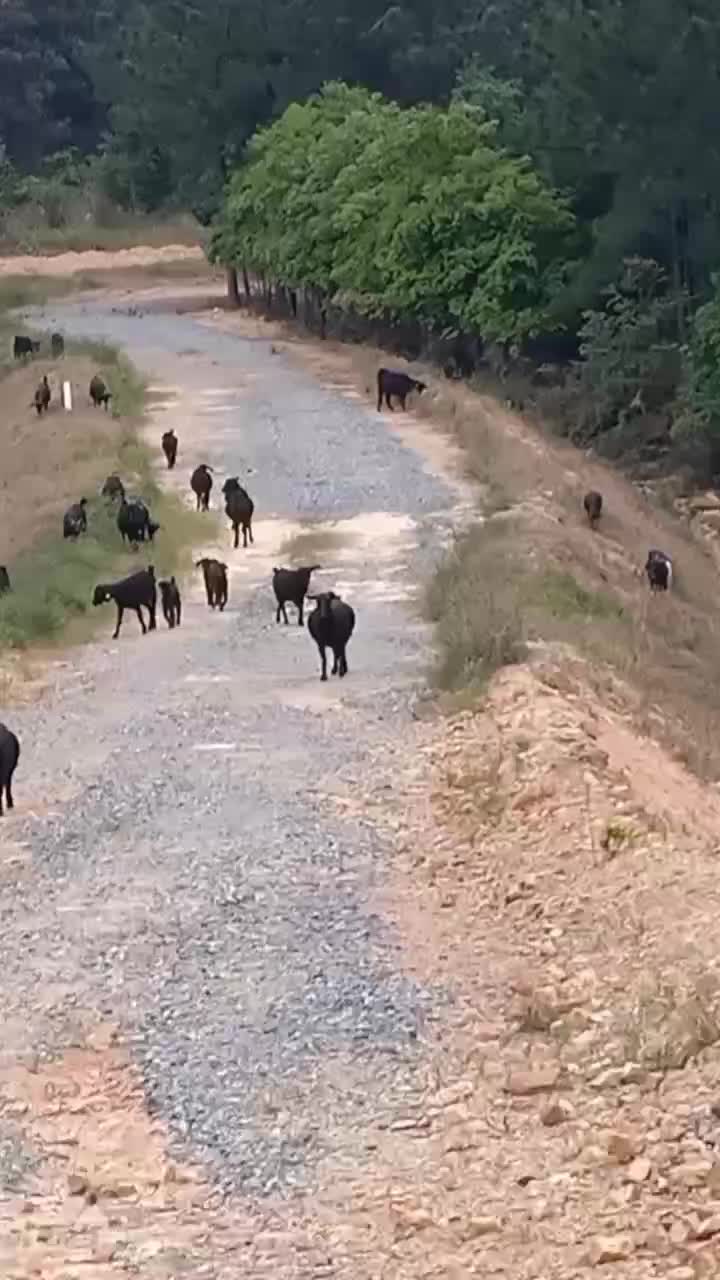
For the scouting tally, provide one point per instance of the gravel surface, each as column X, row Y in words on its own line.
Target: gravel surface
column 192, row 879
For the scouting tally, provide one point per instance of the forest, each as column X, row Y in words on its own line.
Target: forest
column 538, row 176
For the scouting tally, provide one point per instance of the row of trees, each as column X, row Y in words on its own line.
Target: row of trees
column 419, row 218
column 411, row 214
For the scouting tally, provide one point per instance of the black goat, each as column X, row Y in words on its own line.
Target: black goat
column 201, row 484
column 390, row 382
column 592, row 503
column 134, row 522
column 4, row 580
column 170, row 447
column 658, row 568
column 23, row 346
column 99, row 393
column 113, row 488
column 9, row 756
column 75, row 519
column 290, row 587
column 331, row 625
column 239, row 508
column 57, row 345
column 171, row 604
column 41, row 398
column 135, row 592
column 216, row 582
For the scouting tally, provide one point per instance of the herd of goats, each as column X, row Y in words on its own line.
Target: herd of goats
column 331, row 622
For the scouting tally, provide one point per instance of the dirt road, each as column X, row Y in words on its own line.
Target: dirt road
column 177, row 868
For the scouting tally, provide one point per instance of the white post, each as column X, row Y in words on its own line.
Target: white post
column 67, row 396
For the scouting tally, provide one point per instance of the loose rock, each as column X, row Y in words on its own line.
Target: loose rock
column 540, row 1080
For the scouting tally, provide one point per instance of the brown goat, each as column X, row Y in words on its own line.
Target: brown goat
column 201, row 483
column 216, row 582
column 592, row 503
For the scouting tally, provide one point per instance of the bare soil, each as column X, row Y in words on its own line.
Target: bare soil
column 68, row 263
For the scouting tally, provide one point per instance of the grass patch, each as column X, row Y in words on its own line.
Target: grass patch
column 53, row 579
column 560, row 594
column 474, row 603
column 17, row 292
column 120, row 375
column 488, row 602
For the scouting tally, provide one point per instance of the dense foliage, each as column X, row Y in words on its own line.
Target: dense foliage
column 412, row 213
column 613, row 102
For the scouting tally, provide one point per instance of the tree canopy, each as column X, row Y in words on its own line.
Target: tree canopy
column 411, row 212
column 521, row 114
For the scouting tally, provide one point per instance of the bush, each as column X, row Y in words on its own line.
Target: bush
column 630, row 356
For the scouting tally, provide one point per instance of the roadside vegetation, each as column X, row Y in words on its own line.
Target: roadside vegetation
column 471, row 259
column 531, row 580
column 54, row 461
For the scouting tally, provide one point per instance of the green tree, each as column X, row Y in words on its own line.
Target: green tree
column 195, row 81
column 703, row 366
column 630, row 358
column 413, row 213
column 47, row 98
column 622, row 108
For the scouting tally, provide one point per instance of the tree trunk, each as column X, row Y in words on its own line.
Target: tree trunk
column 233, row 292
column 322, row 312
column 246, row 286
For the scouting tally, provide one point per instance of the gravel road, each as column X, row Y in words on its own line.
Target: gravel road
column 178, row 864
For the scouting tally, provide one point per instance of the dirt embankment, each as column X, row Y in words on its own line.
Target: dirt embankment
column 68, row 263
column 557, row 866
